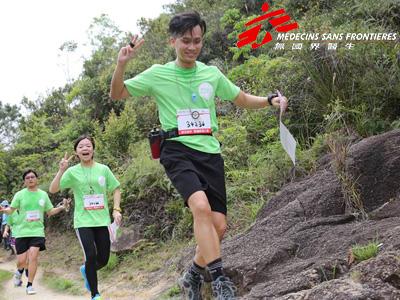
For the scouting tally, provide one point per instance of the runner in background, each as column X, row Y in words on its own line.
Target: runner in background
column 10, row 231
column 4, row 218
column 90, row 181
column 31, row 203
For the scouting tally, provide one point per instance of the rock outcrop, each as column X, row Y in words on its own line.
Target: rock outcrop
column 298, row 247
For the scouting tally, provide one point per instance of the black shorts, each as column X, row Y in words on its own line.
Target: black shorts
column 23, row 244
column 191, row 171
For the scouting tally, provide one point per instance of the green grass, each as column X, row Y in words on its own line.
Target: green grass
column 150, row 258
column 364, row 252
column 172, row 294
column 112, row 263
column 4, row 276
column 59, row 284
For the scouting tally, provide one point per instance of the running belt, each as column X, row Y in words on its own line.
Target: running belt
column 175, row 133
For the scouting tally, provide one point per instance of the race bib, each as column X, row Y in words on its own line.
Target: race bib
column 93, row 201
column 33, row 215
column 195, row 121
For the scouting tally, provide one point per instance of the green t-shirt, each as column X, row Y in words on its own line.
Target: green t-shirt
column 12, row 221
column 90, row 210
column 31, row 206
column 172, row 87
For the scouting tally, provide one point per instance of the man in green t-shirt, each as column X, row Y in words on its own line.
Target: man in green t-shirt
column 31, row 203
column 184, row 91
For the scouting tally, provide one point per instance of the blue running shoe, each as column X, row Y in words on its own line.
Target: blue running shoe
column 97, row 297
column 17, row 279
column 86, row 282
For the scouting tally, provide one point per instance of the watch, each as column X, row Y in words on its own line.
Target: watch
column 269, row 99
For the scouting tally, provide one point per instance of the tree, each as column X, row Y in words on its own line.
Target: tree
column 92, row 90
column 9, row 116
column 68, row 48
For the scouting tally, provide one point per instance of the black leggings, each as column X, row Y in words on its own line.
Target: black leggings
column 95, row 242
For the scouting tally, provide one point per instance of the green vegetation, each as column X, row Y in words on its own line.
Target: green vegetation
column 59, row 284
column 328, row 271
column 112, row 263
column 364, row 252
column 173, row 293
column 335, row 98
column 4, row 276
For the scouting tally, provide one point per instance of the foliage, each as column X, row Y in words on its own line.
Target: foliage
column 112, row 263
column 60, row 284
column 4, row 276
column 233, row 19
column 328, row 272
column 339, row 147
column 172, row 292
column 339, row 85
column 9, row 115
column 330, row 92
column 157, row 48
column 113, row 141
column 364, row 252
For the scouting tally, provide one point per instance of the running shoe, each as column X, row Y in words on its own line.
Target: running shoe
column 84, row 276
column 97, row 297
column 30, row 290
column 223, row 289
column 17, row 279
column 191, row 285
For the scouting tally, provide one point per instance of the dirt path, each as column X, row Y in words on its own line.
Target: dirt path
column 42, row 292
column 134, row 286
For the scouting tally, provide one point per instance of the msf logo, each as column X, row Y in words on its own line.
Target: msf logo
column 250, row 35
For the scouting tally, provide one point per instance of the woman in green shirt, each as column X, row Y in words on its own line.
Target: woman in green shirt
column 89, row 181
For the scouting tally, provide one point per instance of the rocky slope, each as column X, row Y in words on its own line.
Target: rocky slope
column 298, row 247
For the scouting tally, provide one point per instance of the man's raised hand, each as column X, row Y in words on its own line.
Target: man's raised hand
column 126, row 53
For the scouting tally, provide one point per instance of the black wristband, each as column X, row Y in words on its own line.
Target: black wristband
column 269, row 99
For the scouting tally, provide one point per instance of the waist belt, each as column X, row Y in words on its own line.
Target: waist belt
column 175, row 133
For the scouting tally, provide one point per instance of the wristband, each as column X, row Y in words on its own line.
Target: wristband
column 117, row 209
column 269, row 99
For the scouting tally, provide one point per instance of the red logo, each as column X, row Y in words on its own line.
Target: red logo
column 250, row 35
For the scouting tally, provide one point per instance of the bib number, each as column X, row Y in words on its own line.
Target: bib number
column 195, row 121
column 93, row 201
column 33, row 215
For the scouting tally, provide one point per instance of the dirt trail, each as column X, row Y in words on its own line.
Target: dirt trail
column 43, row 293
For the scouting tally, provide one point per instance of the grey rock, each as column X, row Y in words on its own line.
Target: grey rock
column 298, row 246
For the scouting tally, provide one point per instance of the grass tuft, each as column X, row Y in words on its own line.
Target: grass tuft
column 4, row 276
column 59, row 284
column 364, row 252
